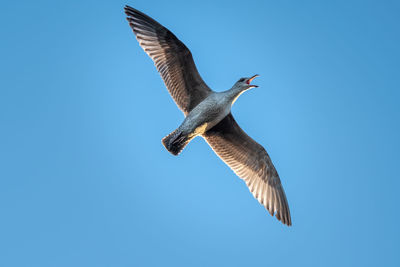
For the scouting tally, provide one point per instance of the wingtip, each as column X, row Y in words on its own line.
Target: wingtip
column 129, row 10
column 285, row 219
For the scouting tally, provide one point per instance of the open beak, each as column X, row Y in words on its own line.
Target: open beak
column 251, row 79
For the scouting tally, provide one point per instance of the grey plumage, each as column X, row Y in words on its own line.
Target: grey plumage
column 208, row 114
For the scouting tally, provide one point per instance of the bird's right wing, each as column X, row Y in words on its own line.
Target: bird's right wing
column 172, row 58
column 251, row 162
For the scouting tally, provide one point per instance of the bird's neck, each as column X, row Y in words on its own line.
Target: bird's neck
column 234, row 93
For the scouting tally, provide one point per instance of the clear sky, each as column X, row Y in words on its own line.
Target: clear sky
column 85, row 180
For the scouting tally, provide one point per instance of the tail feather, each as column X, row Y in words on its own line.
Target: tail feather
column 175, row 142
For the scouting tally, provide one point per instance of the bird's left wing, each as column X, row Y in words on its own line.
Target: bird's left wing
column 251, row 162
column 172, row 58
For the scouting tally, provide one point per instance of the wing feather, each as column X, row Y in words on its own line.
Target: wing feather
column 251, row 162
column 172, row 59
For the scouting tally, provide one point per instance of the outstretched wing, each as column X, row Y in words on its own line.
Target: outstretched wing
column 172, row 58
column 251, row 162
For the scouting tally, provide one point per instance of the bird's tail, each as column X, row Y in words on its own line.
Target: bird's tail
column 175, row 141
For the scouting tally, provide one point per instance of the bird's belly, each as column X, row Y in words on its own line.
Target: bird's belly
column 199, row 123
column 201, row 129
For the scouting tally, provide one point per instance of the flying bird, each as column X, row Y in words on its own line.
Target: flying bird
column 208, row 114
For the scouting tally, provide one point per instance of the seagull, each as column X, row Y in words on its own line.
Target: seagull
column 208, row 114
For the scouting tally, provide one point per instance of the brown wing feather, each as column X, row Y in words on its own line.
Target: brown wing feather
column 251, row 162
column 172, row 58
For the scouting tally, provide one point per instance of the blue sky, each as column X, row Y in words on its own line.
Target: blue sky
column 85, row 180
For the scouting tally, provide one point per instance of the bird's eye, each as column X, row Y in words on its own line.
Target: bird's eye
column 241, row 80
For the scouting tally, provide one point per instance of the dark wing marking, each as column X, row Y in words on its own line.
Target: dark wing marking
column 172, row 58
column 251, row 162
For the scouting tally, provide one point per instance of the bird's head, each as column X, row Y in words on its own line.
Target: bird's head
column 245, row 83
